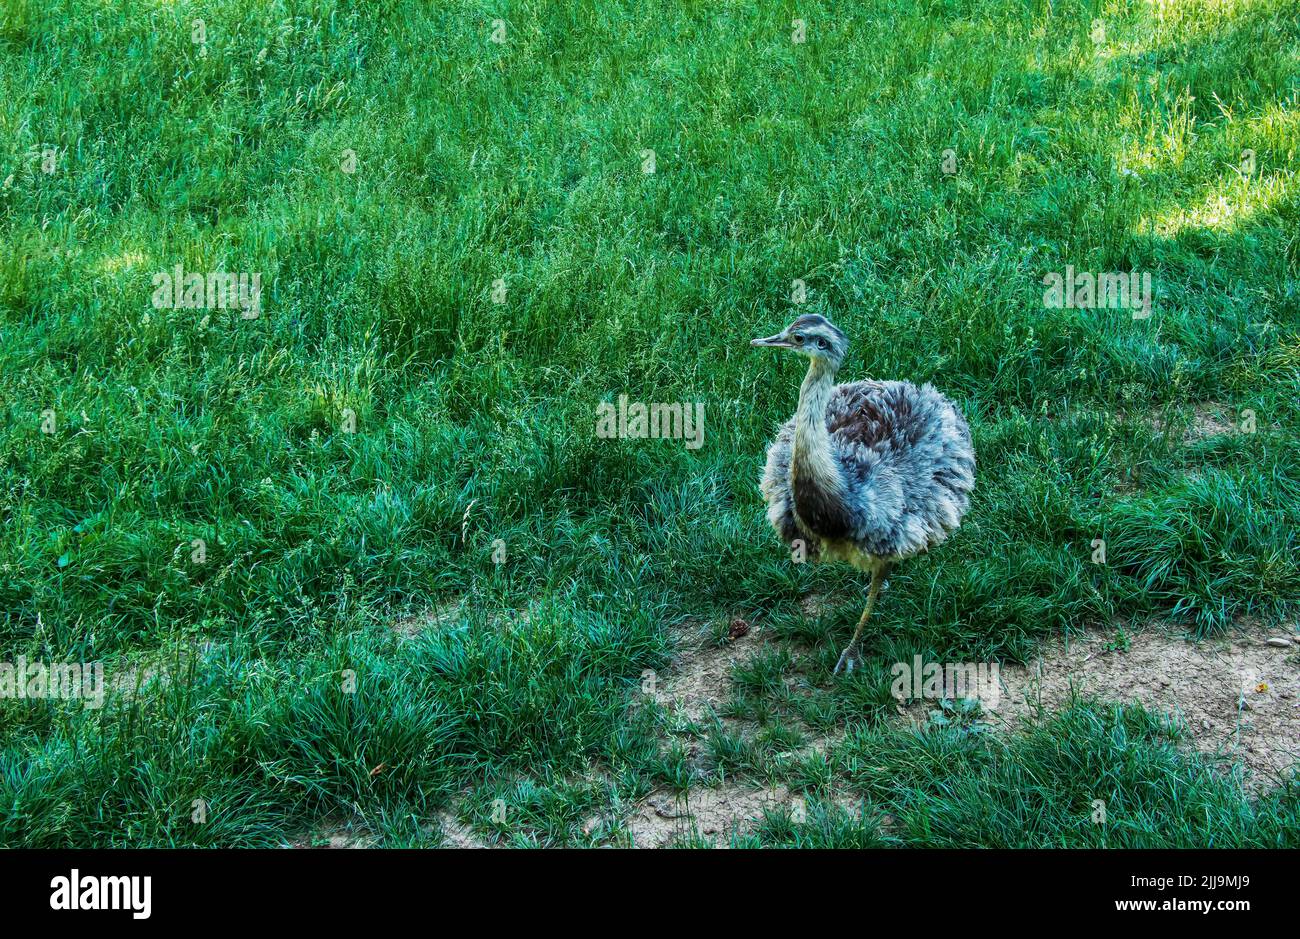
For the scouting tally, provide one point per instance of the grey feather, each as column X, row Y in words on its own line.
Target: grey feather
column 907, row 467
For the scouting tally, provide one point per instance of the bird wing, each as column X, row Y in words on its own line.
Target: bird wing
column 906, row 454
column 860, row 413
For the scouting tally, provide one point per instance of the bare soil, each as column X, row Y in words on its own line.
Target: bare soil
column 1237, row 696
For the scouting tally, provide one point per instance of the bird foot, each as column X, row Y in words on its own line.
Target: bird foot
column 849, row 660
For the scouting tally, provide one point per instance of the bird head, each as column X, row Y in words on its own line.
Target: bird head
column 810, row 335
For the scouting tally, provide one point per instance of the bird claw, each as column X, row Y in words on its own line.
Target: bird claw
column 848, row 661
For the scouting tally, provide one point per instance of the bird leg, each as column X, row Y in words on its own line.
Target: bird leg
column 849, row 657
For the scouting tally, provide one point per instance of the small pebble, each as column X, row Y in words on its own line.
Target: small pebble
column 1279, row 643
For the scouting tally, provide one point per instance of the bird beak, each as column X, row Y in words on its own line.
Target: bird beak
column 778, row 341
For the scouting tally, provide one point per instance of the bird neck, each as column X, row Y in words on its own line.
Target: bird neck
column 811, row 459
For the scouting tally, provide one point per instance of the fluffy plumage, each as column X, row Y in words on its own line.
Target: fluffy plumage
column 907, row 467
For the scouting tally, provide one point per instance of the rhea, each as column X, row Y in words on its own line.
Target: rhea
column 869, row 472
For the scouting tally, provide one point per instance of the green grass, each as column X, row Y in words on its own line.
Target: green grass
column 775, row 161
column 1044, row 789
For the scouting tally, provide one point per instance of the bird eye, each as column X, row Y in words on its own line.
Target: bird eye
column 821, row 343
column 798, row 340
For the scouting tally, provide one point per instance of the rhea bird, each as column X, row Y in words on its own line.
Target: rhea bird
column 869, row 472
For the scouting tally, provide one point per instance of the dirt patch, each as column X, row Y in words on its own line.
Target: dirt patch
column 444, row 614
column 131, row 676
column 456, row 834
column 698, row 683
column 336, row 837
column 697, row 687
column 343, row 836
column 1238, row 695
column 1210, row 420
column 815, row 605
column 716, row 814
